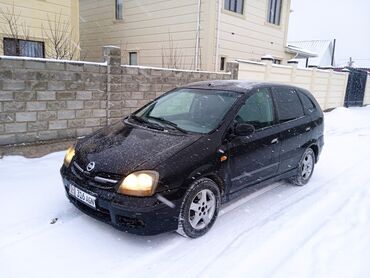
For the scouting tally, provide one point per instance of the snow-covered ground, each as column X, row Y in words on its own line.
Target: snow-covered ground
column 320, row 230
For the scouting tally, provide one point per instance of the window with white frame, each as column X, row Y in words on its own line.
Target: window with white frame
column 235, row 6
column 274, row 11
column 119, row 9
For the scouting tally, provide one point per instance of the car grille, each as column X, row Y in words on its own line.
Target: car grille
column 99, row 180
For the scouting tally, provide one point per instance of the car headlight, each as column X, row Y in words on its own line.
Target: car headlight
column 69, row 156
column 141, row 183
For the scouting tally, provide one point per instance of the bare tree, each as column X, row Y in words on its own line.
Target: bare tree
column 59, row 34
column 12, row 27
column 172, row 56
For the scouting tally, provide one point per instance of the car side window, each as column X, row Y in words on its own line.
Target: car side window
column 288, row 104
column 258, row 110
column 308, row 106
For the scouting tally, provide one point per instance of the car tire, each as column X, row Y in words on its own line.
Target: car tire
column 305, row 168
column 199, row 208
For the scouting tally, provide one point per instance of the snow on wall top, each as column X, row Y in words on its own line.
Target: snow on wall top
column 51, row 60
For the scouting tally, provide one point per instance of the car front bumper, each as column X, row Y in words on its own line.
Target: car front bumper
column 137, row 215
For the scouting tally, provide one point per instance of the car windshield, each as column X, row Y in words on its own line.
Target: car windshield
column 189, row 110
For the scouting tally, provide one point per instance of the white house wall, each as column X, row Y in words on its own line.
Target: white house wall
column 250, row 36
column 147, row 27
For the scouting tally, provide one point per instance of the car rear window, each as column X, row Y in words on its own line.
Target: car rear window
column 308, row 106
column 288, row 104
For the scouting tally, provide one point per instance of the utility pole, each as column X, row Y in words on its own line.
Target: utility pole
column 350, row 62
column 333, row 53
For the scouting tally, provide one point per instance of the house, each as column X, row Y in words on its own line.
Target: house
column 39, row 28
column 322, row 52
column 191, row 34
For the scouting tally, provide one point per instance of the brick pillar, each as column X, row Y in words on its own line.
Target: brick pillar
column 112, row 56
column 233, row 68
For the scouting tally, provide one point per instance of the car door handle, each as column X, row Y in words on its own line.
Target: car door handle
column 274, row 141
column 308, row 129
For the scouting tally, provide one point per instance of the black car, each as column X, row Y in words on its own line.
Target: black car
column 171, row 164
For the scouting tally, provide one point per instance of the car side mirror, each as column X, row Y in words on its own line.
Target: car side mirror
column 243, row 129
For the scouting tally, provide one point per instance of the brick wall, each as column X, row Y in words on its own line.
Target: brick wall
column 51, row 100
column 46, row 100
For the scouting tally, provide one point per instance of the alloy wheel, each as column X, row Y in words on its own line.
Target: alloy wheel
column 202, row 209
column 307, row 166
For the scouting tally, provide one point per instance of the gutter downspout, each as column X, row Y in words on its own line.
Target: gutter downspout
column 218, row 34
column 197, row 38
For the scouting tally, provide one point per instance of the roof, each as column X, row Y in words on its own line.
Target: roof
column 323, row 49
column 241, row 86
column 300, row 52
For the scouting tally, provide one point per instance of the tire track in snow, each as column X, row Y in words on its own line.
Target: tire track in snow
column 278, row 214
column 328, row 217
column 304, row 193
column 355, row 199
column 16, row 237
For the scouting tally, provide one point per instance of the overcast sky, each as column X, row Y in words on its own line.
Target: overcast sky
column 346, row 20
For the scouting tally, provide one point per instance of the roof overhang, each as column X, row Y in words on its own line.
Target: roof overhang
column 300, row 53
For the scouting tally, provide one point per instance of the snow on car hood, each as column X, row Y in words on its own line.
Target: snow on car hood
column 122, row 148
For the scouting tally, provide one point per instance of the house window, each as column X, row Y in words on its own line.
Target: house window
column 235, row 6
column 274, row 11
column 132, row 58
column 119, row 9
column 222, row 63
column 25, row 48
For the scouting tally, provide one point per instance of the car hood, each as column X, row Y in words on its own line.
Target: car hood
column 122, row 148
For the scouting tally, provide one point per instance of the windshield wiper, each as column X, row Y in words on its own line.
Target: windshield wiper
column 138, row 119
column 146, row 122
column 167, row 122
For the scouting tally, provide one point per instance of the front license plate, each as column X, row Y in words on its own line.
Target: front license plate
column 82, row 196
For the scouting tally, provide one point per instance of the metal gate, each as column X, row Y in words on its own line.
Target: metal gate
column 355, row 88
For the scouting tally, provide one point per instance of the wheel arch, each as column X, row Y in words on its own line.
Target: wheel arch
column 208, row 171
column 315, row 149
column 217, row 180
